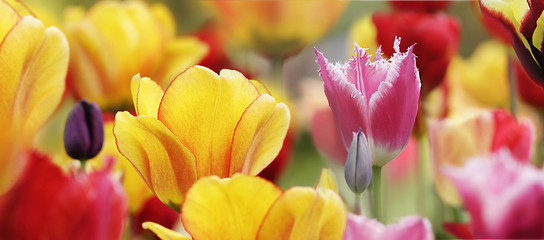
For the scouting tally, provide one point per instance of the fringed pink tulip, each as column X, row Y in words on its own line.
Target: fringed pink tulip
column 379, row 97
column 409, row 228
column 505, row 198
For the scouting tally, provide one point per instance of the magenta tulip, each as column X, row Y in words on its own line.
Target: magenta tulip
column 409, row 228
column 379, row 97
column 505, row 198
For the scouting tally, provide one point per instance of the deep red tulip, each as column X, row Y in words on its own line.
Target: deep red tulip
column 529, row 91
column 155, row 211
column 420, row 6
column 47, row 203
column 436, row 38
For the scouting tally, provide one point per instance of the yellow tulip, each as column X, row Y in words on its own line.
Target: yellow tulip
column 247, row 207
column 454, row 140
column 488, row 66
column 34, row 62
column 115, row 40
column 203, row 124
column 278, row 29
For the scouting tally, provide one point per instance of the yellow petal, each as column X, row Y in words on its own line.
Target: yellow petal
column 8, row 18
column 202, row 110
column 147, row 97
column 162, row 232
column 167, row 167
column 364, row 33
column 305, row 213
column 229, row 208
column 181, row 53
column 259, row 135
column 34, row 62
column 327, row 180
column 260, row 87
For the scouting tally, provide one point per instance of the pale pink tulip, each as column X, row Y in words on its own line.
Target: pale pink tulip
column 504, row 197
column 409, row 228
column 379, row 97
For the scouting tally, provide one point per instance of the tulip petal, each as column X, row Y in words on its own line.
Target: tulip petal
column 202, row 109
column 34, row 60
column 348, row 104
column 327, row 180
column 164, row 233
column 147, row 97
column 258, row 135
column 305, row 213
column 180, row 54
column 8, row 18
column 167, row 167
column 235, row 207
column 400, row 91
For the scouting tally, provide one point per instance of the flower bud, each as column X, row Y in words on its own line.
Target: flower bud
column 84, row 131
column 358, row 169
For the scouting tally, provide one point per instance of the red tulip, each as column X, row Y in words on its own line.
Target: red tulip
column 47, row 203
column 436, row 38
column 529, row 91
column 155, row 211
column 420, row 6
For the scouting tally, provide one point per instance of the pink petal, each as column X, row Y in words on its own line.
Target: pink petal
column 408, row 228
column 394, row 106
column 347, row 103
column 326, row 136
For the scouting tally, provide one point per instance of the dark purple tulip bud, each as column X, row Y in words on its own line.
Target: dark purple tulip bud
column 358, row 169
column 84, row 131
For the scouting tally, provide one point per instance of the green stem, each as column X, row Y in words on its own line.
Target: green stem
column 83, row 163
column 377, row 192
column 422, row 176
column 513, row 88
column 277, row 71
column 358, row 200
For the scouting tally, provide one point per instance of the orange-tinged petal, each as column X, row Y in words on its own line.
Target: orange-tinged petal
column 229, row 208
column 327, row 180
column 305, row 213
column 167, row 167
column 263, row 125
column 202, row 109
column 34, row 62
column 146, row 95
column 181, row 53
column 162, row 232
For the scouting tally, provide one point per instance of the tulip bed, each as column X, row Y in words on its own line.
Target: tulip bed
column 271, row 119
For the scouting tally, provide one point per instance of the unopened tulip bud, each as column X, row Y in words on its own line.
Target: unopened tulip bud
column 358, row 170
column 84, row 131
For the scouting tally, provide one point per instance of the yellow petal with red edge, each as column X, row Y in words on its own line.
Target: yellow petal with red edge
column 162, row 232
column 305, row 213
column 167, row 167
column 181, row 53
column 146, row 95
column 260, row 87
column 258, row 137
column 202, row 110
column 34, row 62
column 327, row 180
column 8, row 18
column 229, row 208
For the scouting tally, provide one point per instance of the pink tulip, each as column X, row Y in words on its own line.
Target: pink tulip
column 504, row 197
column 379, row 97
column 409, row 228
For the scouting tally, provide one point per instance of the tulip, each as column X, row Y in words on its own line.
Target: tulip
column 278, row 29
column 420, row 6
column 34, row 62
column 522, row 20
column 436, row 37
column 114, row 40
column 84, row 131
column 203, row 124
column 358, row 169
column 48, row 203
column 455, row 140
column 326, row 136
column 496, row 190
column 247, row 207
column 379, row 97
column 529, row 91
column 412, row 227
